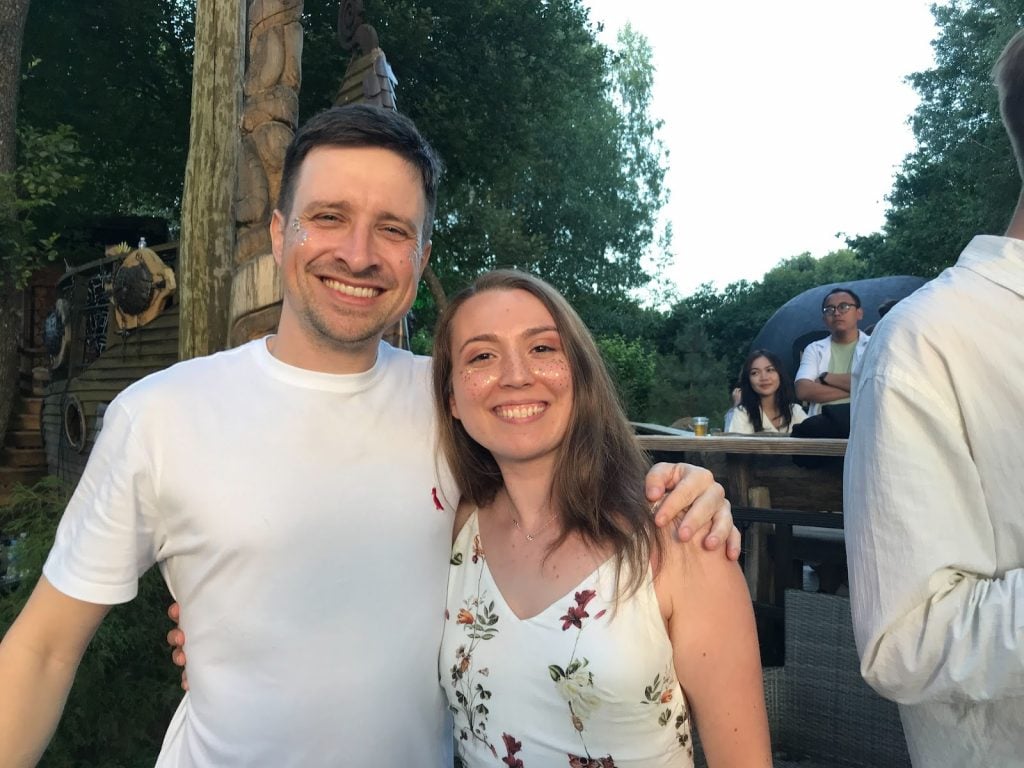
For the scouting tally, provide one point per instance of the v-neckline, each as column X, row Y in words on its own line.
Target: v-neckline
column 474, row 519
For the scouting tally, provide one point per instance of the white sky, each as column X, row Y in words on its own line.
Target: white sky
column 785, row 121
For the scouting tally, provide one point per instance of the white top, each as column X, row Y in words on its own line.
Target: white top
column 934, row 503
column 292, row 514
column 815, row 361
column 740, row 423
column 580, row 681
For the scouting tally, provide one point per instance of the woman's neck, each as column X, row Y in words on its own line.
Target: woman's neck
column 528, row 488
column 768, row 406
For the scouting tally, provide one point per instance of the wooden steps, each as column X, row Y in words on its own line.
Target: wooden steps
column 22, row 458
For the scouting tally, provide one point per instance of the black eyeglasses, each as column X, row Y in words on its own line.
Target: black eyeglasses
column 838, row 309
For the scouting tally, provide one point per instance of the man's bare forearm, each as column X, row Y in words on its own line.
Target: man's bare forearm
column 35, row 689
column 38, row 660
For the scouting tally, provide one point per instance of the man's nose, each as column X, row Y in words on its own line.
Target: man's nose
column 356, row 247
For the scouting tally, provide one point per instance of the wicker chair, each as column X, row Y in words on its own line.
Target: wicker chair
column 821, row 713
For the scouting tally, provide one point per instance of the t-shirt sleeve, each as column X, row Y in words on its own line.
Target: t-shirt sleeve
column 809, row 362
column 107, row 537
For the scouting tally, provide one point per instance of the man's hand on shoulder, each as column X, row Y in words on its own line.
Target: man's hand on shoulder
column 689, row 495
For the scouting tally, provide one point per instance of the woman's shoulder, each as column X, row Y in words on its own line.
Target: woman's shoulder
column 463, row 513
column 741, row 421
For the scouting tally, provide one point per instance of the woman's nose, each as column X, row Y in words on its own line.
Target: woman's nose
column 515, row 372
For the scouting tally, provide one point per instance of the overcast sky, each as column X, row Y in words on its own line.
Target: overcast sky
column 785, row 121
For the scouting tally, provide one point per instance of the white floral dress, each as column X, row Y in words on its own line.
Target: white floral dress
column 583, row 683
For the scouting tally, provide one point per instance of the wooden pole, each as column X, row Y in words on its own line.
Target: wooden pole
column 207, row 212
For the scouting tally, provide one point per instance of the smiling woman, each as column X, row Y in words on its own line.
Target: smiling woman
column 767, row 399
column 572, row 625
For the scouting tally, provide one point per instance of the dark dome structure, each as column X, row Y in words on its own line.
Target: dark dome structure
column 798, row 322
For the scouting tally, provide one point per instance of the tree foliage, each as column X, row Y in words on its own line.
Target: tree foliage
column 552, row 162
column 631, row 363
column 126, row 688
column 50, row 168
column 119, row 73
column 961, row 180
column 732, row 318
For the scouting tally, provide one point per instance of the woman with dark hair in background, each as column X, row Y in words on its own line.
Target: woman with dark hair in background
column 767, row 398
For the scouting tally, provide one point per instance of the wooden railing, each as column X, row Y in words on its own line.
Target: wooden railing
column 769, row 495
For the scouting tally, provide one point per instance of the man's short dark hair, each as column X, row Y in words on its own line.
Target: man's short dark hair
column 834, row 291
column 363, row 125
column 1008, row 74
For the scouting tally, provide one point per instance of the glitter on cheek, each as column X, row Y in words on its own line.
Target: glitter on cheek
column 302, row 234
column 474, row 381
column 555, row 371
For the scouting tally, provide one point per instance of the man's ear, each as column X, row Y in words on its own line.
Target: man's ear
column 425, row 255
column 277, row 224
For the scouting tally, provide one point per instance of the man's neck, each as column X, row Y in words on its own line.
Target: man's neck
column 1015, row 229
column 296, row 350
column 846, row 338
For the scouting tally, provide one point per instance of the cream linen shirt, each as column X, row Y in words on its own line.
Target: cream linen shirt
column 934, row 502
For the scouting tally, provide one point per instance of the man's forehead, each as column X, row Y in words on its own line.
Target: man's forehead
column 839, row 297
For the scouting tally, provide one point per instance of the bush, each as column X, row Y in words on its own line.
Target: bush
column 126, row 688
column 631, row 364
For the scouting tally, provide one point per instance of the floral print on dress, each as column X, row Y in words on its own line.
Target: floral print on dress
column 479, row 623
column 661, row 691
column 512, row 748
column 575, row 683
column 476, row 614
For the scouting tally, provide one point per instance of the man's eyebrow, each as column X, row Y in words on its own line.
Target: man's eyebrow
column 346, row 207
column 338, row 205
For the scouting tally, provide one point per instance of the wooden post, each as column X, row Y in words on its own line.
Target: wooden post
column 757, row 564
column 270, row 114
column 207, row 210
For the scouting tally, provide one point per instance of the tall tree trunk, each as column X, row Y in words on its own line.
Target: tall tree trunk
column 12, row 28
column 207, row 211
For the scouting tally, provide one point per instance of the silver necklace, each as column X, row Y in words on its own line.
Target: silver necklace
column 515, row 522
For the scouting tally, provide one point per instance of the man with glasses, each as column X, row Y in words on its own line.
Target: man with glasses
column 823, row 379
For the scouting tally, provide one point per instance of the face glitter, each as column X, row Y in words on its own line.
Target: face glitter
column 302, row 233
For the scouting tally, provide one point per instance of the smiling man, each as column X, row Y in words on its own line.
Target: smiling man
column 290, row 494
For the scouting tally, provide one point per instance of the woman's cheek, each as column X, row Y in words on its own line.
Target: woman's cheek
column 555, row 372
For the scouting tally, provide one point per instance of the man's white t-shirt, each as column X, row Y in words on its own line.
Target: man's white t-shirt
column 297, row 518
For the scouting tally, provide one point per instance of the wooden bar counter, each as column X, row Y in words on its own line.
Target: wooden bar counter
column 769, row 495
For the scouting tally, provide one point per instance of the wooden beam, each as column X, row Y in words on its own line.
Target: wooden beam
column 207, row 212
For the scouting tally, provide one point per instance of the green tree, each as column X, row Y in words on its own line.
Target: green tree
column 552, row 162
column 126, row 688
column 119, row 73
column 12, row 26
column 631, row 363
column 731, row 319
column 961, row 180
